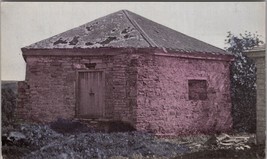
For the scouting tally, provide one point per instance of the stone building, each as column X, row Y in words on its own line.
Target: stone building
column 128, row 68
column 258, row 55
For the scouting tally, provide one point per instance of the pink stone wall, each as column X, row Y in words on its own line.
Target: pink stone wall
column 163, row 104
column 51, row 82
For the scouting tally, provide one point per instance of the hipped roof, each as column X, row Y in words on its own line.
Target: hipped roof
column 125, row 29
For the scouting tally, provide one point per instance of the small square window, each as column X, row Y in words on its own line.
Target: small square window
column 197, row 89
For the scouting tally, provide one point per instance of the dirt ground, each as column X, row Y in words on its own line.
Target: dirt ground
column 256, row 152
column 68, row 139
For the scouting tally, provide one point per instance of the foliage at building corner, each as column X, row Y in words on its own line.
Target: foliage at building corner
column 243, row 80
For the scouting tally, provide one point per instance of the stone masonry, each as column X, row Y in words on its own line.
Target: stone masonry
column 163, row 103
column 50, row 86
column 147, row 89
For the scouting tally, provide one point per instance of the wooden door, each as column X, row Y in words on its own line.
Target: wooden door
column 91, row 94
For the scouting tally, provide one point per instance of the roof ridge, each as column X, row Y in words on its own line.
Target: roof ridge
column 142, row 32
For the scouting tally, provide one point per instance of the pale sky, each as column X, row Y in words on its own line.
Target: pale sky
column 25, row 23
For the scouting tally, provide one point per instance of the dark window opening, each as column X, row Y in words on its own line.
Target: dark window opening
column 197, row 89
column 90, row 65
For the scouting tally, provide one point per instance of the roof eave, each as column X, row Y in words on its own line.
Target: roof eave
column 114, row 51
column 199, row 55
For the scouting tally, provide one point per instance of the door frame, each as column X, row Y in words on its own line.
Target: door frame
column 77, row 98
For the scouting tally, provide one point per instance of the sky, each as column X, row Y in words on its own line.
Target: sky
column 25, row 23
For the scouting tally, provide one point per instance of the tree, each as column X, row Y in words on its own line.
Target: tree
column 243, row 80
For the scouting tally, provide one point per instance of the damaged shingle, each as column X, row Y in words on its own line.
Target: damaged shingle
column 74, row 41
column 128, row 36
column 124, row 31
column 89, row 43
column 89, row 28
column 113, row 30
column 60, row 41
column 108, row 40
column 127, row 30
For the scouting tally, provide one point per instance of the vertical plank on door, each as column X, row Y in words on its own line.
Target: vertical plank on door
column 90, row 94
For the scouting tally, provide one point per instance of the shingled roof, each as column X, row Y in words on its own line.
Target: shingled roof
column 125, row 29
